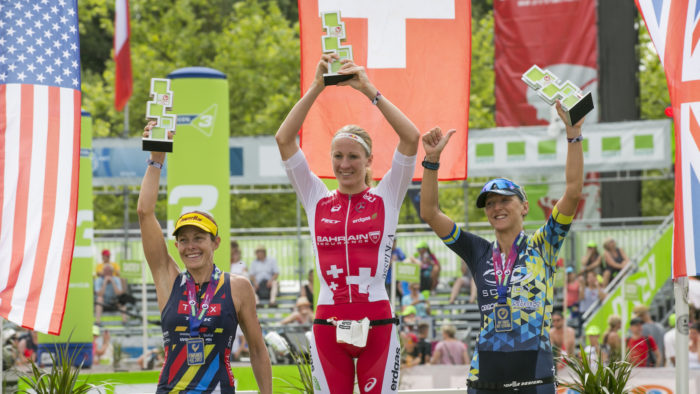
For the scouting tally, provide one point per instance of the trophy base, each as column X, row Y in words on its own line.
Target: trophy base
column 333, row 78
column 580, row 109
column 157, row 145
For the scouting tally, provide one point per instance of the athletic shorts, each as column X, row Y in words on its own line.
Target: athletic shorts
column 378, row 363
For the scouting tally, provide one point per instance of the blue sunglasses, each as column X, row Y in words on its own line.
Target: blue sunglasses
column 499, row 186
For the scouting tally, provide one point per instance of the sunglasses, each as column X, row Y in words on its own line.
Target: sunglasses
column 500, row 184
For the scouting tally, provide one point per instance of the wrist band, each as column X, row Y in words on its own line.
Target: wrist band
column 375, row 100
column 575, row 139
column 430, row 165
column 155, row 164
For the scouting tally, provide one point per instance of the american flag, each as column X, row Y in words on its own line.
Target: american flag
column 674, row 27
column 39, row 156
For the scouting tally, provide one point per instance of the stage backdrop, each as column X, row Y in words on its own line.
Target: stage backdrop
column 416, row 53
column 560, row 36
column 198, row 168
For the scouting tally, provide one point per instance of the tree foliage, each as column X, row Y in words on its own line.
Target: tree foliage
column 250, row 41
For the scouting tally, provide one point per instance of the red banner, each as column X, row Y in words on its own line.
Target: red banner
column 560, row 35
column 416, row 53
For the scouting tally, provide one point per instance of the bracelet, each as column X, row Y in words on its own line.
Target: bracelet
column 155, row 164
column 375, row 100
column 430, row 165
column 575, row 139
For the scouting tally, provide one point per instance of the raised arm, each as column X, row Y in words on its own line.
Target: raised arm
column 408, row 132
column 574, row 168
column 287, row 133
column 433, row 144
column 163, row 267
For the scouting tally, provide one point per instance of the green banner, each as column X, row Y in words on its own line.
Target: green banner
column 198, row 168
column 78, row 316
column 407, row 272
column 132, row 269
column 654, row 270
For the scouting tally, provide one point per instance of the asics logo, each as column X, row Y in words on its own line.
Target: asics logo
column 335, row 208
column 371, row 382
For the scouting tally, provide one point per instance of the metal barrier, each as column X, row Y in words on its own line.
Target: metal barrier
column 294, row 253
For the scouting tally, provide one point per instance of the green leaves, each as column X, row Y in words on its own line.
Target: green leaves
column 251, row 41
column 62, row 378
column 597, row 378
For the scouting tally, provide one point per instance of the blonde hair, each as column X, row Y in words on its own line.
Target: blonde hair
column 614, row 320
column 362, row 133
column 449, row 330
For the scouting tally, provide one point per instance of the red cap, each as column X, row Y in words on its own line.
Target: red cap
column 105, row 252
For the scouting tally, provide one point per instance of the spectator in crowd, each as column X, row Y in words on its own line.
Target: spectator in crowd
column 102, row 349
column 652, row 329
column 429, row 266
column 417, row 299
column 591, row 260
column 9, row 348
column 108, row 294
column 612, row 341
column 643, row 351
column 107, row 260
column 466, row 280
column 153, row 358
column 308, row 289
column 563, row 337
column 263, row 275
column 238, row 266
column 27, row 347
column 573, row 286
column 670, row 342
column 614, row 260
column 694, row 346
column 409, row 353
column 450, row 350
column 408, row 317
column 425, row 349
column 591, row 292
column 593, row 351
column 303, row 313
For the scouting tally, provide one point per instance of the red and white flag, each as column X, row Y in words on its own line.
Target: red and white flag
column 560, row 36
column 39, row 157
column 417, row 53
column 674, row 27
column 122, row 55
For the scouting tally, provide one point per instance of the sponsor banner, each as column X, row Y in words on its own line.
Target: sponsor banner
column 407, row 272
column 198, row 168
column 559, row 35
column 521, row 151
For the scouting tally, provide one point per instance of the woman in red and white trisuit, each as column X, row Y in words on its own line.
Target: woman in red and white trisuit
column 353, row 229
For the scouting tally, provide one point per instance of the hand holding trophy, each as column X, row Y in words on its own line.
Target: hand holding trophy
column 574, row 103
column 159, row 137
column 332, row 43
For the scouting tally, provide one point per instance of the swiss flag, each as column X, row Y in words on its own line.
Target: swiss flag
column 122, row 55
column 416, row 52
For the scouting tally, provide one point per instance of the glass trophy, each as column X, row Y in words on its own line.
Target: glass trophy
column 333, row 43
column 574, row 103
column 162, row 101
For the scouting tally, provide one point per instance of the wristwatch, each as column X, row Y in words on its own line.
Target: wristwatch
column 430, row 165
